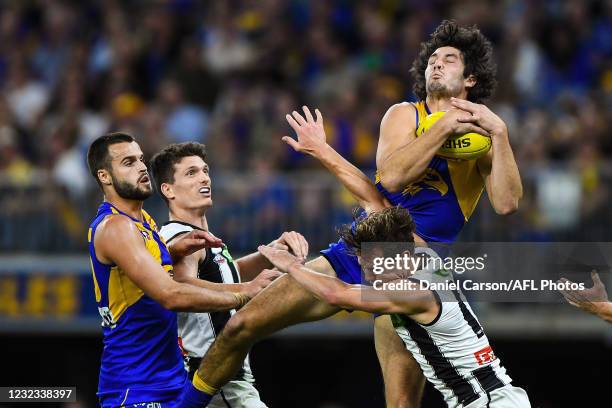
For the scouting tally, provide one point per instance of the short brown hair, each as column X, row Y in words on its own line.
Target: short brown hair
column 392, row 224
column 162, row 164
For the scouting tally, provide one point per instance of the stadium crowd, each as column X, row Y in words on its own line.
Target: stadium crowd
column 226, row 73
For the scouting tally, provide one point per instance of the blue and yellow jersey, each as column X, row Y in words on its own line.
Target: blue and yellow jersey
column 443, row 199
column 141, row 360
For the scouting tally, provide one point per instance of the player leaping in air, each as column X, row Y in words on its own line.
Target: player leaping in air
column 455, row 72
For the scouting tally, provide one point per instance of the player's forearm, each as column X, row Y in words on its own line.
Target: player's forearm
column 405, row 165
column 251, row 265
column 506, row 187
column 353, row 179
column 323, row 287
column 223, row 287
column 184, row 297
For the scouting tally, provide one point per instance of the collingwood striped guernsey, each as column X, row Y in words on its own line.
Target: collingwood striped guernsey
column 454, row 352
column 197, row 331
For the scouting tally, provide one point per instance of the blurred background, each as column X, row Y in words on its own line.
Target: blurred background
column 225, row 73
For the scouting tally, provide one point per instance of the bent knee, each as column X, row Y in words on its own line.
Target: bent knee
column 242, row 327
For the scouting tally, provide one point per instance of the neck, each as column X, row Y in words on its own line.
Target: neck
column 133, row 208
column 190, row 216
column 437, row 102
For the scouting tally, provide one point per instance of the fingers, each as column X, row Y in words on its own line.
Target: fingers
column 596, row 280
column 319, row 117
column 468, row 119
column 297, row 243
column 291, row 142
column 308, row 115
column 205, row 238
column 464, row 105
column 299, row 119
column 292, row 123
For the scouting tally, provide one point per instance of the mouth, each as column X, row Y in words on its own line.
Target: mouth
column 144, row 179
column 205, row 191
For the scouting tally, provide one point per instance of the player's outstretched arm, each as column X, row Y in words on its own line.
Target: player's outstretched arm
column 337, row 293
column 118, row 241
column 593, row 300
column 250, row 266
column 401, row 157
column 498, row 167
column 311, row 139
column 186, row 271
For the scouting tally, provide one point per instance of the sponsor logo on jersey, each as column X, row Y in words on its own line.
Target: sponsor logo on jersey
column 485, row 356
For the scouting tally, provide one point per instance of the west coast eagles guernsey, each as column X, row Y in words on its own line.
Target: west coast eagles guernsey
column 141, row 360
column 443, row 199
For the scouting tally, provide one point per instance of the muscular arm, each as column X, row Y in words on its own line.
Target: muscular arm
column 337, row 293
column 501, row 175
column 251, row 265
column 401, row 157
column 119, row 241
column 186, row 271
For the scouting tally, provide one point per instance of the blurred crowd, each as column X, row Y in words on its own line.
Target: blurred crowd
column 225, row 73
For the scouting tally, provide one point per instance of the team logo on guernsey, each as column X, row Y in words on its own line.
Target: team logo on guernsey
column 107, row 317
column 431, row 180
column 485, row 355
column 219, row 259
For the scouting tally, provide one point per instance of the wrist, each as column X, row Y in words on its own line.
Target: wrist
column 241, row 299
column 500, row 132
column 294, row 266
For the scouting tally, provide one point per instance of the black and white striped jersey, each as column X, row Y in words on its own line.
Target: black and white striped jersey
column 453, row 350
column 197, row 331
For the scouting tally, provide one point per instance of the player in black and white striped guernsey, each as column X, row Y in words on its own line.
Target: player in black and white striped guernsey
column 439, row 329
column 182, row 178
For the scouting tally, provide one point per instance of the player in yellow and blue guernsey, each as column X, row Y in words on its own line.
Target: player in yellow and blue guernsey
column 137, row 298
column 453, row 72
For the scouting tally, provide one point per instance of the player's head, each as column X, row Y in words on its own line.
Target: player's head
column 454, row 61
column 181, row 176
column 117, row 163
column 389, row 225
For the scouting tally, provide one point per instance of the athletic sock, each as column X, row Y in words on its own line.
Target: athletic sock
column 197, row 394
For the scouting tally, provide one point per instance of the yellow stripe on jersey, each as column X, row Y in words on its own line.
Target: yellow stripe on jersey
column 468, row 184
column 95, row 280
column 122, row 292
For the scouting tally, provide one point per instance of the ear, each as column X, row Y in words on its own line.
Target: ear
column 470, row 81
column 167, row 191
column 105, row 177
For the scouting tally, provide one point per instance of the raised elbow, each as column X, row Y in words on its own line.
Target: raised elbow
column 391, row 182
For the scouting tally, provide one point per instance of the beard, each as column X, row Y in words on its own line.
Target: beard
column 440, row 90
column 129, row 191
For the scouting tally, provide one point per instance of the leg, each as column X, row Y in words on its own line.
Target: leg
column 404, row 380
column 283, row 303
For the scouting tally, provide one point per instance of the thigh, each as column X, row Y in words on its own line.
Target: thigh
column 509, row 397
column 404, row 380
column 285, row 302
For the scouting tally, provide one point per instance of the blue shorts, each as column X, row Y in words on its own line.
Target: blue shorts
column 344, row 263
column 142, row 398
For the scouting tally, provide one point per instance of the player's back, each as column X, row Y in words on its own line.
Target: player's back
column 443, row 199
column 141, row 360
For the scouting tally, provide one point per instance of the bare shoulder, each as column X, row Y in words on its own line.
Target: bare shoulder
column 403, row 111
column 114, row 232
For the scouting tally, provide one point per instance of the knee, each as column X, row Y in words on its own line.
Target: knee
column 240, row 328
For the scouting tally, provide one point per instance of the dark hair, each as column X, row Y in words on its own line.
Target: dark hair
column 162, row 164
column 97, row 155
column 392, row 224
column 476, row 52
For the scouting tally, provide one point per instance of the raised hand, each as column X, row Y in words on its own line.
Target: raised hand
column 292, row 241
column 480, row 115
column 279, row 258
column 590, row 299
column 311, row 138
column 191, row 242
